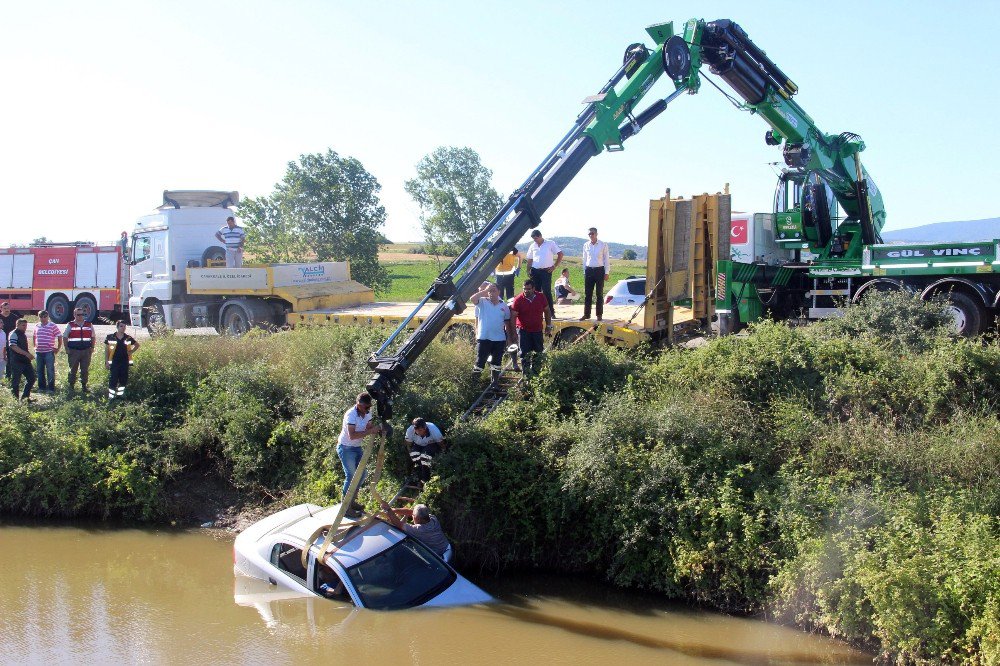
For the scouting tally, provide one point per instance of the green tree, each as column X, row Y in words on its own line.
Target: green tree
column 328, row 205
column 456, row 199
column 629, row 255
column 271, row 236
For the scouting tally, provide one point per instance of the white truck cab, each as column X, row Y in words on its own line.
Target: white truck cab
column 178, row 235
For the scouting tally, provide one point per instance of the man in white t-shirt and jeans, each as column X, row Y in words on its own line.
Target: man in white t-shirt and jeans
column 357, row 425
column 424, row 440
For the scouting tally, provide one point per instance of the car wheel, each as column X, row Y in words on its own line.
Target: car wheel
column 59, row 310
column 89, row 307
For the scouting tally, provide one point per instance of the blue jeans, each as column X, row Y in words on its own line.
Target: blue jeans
column 45, row 363
column 350, row 458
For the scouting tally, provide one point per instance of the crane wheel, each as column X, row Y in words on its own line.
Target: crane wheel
column 677, row 58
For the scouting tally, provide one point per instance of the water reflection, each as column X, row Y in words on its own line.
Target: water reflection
column 97, row 595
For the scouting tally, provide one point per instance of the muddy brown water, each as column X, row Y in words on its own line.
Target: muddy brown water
column 98, row 595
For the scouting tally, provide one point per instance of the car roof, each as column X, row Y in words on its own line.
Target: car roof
column 361, row 546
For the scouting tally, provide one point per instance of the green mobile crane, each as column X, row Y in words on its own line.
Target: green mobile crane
column 824, row 172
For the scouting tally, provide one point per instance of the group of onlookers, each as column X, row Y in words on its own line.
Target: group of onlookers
column 29, row 355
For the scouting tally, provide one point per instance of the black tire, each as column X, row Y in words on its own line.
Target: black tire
column 240, row 315
column 156, row 321
column 460, row 332
column 59, row 310
column 568, row 336
column 968, row 314
column 214, row 256
column 89, row 307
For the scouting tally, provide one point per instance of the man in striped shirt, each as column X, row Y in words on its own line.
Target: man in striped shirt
column 48, row 342
column 232, row 237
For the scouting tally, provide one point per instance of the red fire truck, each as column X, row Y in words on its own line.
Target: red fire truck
column 60, row 277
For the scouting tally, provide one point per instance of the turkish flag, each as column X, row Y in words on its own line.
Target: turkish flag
column 738, row 231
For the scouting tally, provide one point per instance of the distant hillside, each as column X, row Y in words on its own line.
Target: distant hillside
column 945, row 232
column 574, row 246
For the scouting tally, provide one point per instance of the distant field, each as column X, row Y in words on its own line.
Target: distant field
column 412, row 274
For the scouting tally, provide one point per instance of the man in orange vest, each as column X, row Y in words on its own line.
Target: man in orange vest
column 79, row 339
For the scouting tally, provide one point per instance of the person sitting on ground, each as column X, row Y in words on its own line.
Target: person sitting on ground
column 565, row 294
column 425, row 526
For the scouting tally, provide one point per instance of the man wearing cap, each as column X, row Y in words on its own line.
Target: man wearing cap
column 542, row 259
column 596, row 269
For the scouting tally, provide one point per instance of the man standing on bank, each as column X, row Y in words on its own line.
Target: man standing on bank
column 120, row 346
column 20, row 361
column 492, row 314
column 543, row 257
column 357, row 425
column 531, row 308
column 79, row 337
column 596, row 269
column 508, row 268
column 424, row 440
column 48, row 342
column 8, row 320
column 232, row 237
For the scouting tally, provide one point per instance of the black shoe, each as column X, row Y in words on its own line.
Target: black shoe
column 585, row 318
column 600, row 319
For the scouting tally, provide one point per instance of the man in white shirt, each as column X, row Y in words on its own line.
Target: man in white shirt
column 542, row 259
column 232, row 237
column 424, row 440
column 596, row 269
column 357, row 425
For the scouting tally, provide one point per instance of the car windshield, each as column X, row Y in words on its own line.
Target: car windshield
column 403, row 576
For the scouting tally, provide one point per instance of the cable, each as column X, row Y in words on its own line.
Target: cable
column 726, row 95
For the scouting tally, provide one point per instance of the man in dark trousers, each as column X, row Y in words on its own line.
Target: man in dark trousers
column 8, row 320
column 79, row 337
column 531, row 309
column 121, row 346
column 596, row 269
column 20, row 361
column 543, row 257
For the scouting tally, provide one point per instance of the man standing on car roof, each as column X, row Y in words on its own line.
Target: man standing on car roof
column 596, row 269
column 543, row 257
column 357, row 425
column 424, row 440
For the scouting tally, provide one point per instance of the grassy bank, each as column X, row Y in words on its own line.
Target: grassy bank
column 843, row 477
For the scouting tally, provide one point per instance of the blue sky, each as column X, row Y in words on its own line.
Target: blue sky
column 106, row 104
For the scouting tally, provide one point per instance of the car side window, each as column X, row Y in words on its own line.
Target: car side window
column 288, row 558
column 329, row 585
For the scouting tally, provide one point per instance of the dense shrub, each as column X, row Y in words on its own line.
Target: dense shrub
column 843, row 476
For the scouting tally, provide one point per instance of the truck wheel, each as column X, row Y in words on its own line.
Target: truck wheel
column 214, row 256
column 568, row 336
column 59, row 310
column 156, row 321
column 240, row 315
column 460, row 332
column 89, row 307
column 966, row 314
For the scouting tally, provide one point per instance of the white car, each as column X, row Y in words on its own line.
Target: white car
column 630, row 291
column 377, row 566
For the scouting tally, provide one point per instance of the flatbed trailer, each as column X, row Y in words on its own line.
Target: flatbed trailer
column 621, row 326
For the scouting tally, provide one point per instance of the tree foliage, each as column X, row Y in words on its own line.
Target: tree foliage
column 456, row 198
column 629, row 255
column 325, row 205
